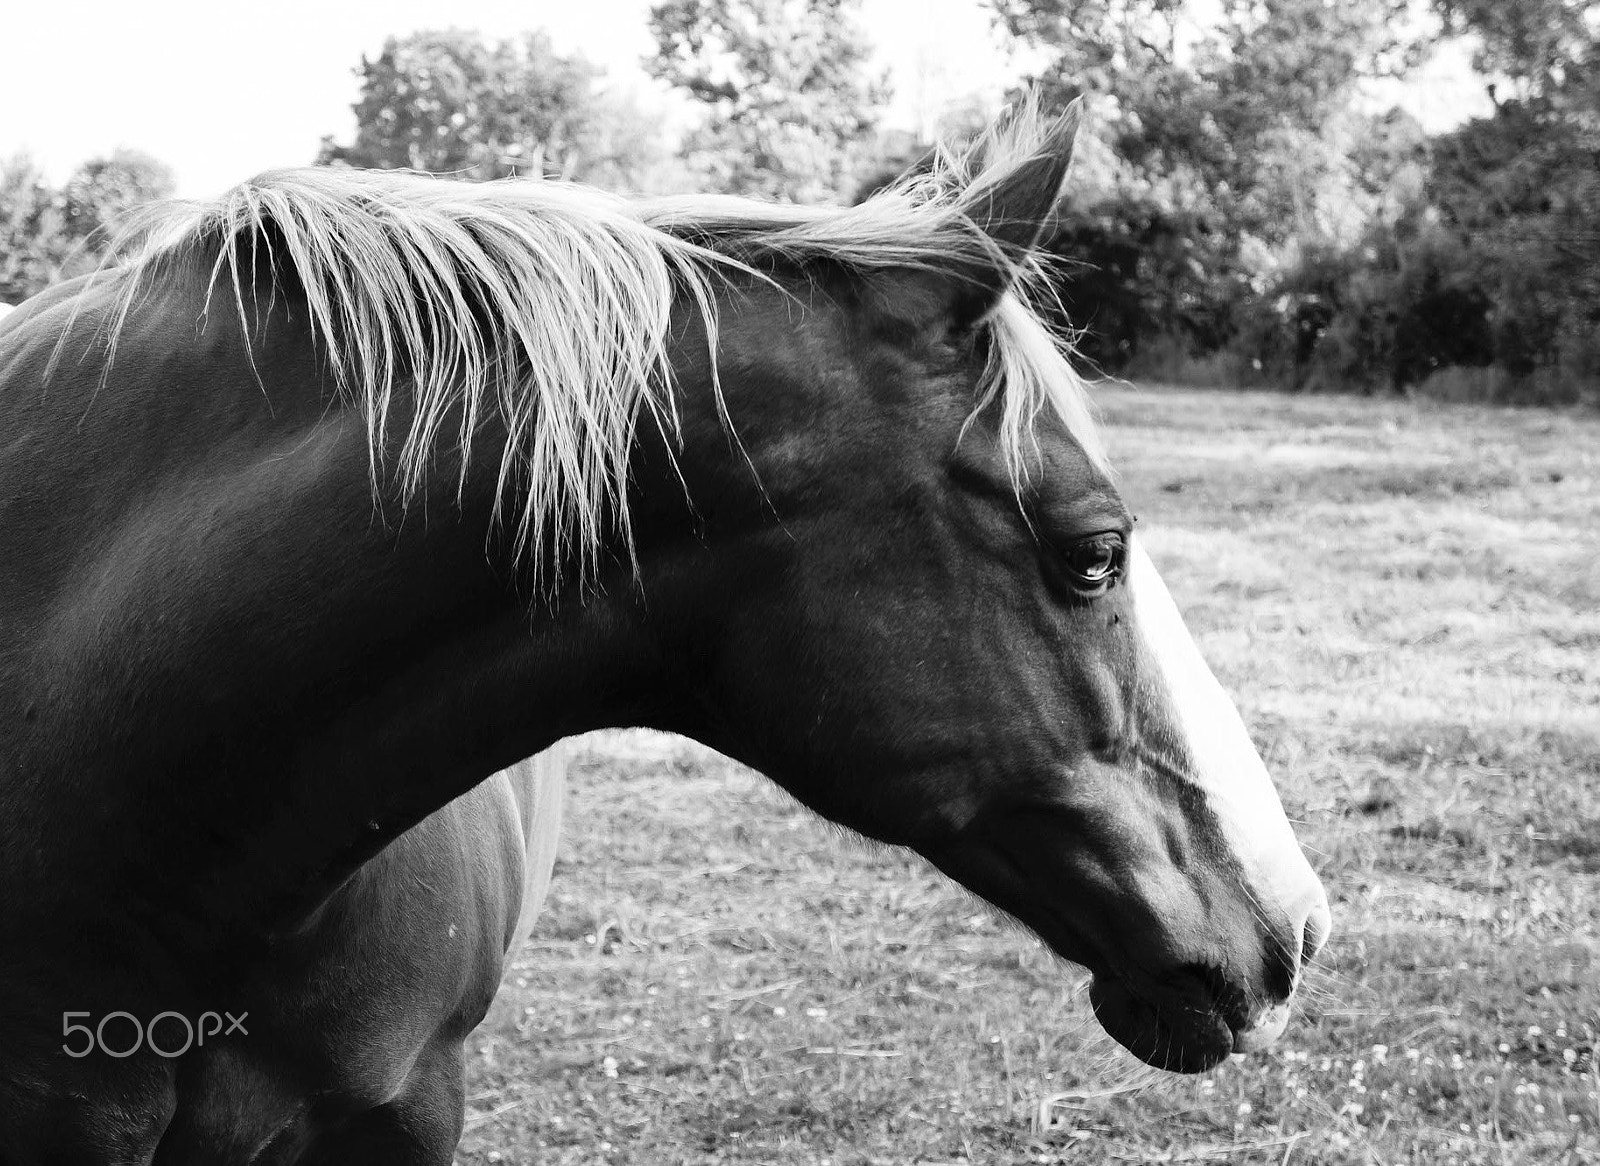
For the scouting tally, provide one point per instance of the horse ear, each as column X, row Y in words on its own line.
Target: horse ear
column 1012, row 204
column 1014, row 208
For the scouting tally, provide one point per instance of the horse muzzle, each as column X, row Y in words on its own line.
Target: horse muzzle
column 1193, row 960
column 1195, row 1017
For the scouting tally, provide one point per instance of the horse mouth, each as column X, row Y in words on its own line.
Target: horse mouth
column 1184, row 1018
column 1176, row 1037
column 1187, row 1018
column 1186, row 1030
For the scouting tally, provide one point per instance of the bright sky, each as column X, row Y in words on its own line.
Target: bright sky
column 220, row 90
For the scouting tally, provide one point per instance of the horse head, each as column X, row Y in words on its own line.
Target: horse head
column 914, row 597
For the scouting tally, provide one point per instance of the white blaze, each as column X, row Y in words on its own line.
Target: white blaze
column 1228, row 769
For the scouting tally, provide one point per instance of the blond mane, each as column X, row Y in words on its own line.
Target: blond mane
column 546, row 306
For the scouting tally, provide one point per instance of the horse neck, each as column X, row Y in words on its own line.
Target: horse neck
column 240, row 678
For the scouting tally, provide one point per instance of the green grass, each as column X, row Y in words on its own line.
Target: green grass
column 1404, row 599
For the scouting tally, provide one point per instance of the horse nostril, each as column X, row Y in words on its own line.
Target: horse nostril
column 1281, row 974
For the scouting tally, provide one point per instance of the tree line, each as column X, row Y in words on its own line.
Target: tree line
column 48, row 233
column 1248, row 216
column 1243, row 209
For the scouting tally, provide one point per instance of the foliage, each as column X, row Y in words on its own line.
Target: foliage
column 1546, row 49
column 1494, row 263
column 101, row 191
column 1133, row 269
column 1245, row 203
column 790, row 105
column 1222, row 154
column 1203, row 116
column 48, row 234
column 1521, row 191
column 33, row 243
column 452, row 102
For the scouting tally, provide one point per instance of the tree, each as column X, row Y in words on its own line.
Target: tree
column 790, row 103
column 450, row 102
column 33, row 241
column 1218, row 153
column 1520, row 192
column 48, row 234
column 103, row 190
column 1548, row 50
column 1216, row 113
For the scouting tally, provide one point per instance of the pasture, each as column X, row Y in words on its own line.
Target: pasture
column 1404, row 599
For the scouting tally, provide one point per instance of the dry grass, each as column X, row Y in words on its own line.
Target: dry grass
column 1405, row 599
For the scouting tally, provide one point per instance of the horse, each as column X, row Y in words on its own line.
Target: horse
column 340, row 493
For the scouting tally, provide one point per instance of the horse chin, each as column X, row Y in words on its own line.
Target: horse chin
column 1180, row 1039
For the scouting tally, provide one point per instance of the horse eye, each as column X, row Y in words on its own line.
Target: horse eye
column 1095, row 562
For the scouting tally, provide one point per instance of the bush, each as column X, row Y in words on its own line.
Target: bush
column 1131, row 274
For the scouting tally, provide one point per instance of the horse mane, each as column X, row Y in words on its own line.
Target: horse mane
column 547, row 305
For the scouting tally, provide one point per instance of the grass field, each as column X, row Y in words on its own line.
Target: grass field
column 1405, row 600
